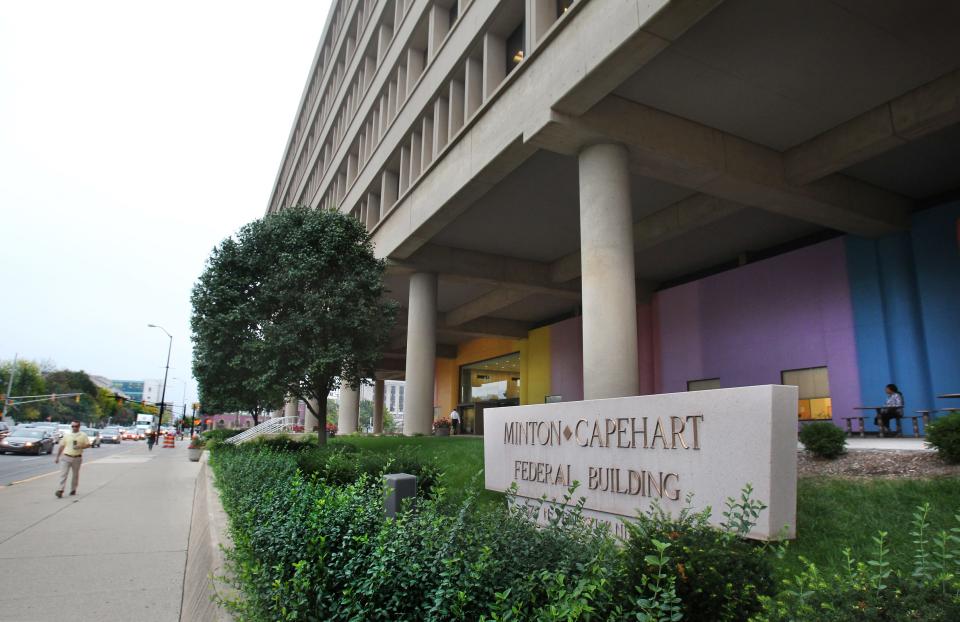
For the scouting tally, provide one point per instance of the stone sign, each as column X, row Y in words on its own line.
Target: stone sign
column 627, row 452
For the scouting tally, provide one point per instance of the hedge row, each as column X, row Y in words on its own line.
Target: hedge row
column 311, row 543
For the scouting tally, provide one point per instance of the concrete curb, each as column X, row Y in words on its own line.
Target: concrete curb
column 205, row 558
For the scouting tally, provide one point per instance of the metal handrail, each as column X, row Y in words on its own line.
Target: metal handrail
column 270, row 426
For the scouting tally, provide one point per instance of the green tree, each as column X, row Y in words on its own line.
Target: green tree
column 226, row 335
column 302, row 295
column 27, row 380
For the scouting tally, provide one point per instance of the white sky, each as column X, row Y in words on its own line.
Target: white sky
column 134, row 137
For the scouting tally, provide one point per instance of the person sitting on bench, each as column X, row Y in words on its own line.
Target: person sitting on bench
column 892, row 409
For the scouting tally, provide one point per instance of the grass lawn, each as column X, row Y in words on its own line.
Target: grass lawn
column 832, row 513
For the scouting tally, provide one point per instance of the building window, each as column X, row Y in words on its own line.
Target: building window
column 703, row 385
column 814, row 392
column 454, row 12
column 515, row 48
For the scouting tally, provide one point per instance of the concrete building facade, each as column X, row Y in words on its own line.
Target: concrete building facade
column 596, row 198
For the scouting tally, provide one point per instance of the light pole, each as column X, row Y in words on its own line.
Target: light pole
column 163, row 393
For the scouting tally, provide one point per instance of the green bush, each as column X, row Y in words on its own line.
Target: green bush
column 717, row 574
column 284, row 443
column 219, row 434
column 306, row 550
column 944, row 434
column 341, row 463
column 823, row 439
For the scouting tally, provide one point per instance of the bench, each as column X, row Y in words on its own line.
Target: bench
column 922, row 415
column 850, row 419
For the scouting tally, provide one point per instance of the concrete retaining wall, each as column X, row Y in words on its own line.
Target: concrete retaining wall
column 205, row 558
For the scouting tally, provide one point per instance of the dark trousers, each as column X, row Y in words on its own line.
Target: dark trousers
column 887, row 415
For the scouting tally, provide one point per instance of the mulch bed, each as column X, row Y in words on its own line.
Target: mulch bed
column 876, row 464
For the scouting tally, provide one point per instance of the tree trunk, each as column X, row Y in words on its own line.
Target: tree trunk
column 321, row 415
column 322, row 418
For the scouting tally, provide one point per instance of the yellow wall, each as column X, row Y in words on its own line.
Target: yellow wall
column 534, row 367
column 447, row 385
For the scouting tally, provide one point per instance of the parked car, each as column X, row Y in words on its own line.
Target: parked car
column 62, row 429
column 27, row 441
column 110, row 435
column 94, row 436
column 50, row 427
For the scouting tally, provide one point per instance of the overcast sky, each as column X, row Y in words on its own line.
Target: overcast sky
column 134, row 137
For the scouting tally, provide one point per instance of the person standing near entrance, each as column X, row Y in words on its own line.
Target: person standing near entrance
column 71, row 450
column 455, row 421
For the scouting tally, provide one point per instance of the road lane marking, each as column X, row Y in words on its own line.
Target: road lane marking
column 57, row 470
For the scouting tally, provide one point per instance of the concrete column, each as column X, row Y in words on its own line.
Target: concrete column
column 378, row 399
column 310, row 421
column 472, row 87
column 426, row 142
column 610, row 367
column 388, row 191
column 348, row 416
column 421, row 354
column 455, row 117
column 383, row 41
column 438, row 28
column 541, row 14
column 494, row 63
column 290, row 407
column 440, row 125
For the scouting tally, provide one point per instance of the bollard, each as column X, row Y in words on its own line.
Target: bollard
column 400, row 486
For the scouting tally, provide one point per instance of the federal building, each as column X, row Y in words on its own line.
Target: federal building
column 584, row 199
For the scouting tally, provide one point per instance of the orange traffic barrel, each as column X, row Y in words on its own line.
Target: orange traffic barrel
column 168, row 441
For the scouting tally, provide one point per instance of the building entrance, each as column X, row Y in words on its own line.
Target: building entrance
column 487, row 384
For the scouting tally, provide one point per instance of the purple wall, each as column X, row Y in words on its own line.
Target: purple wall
column 566, row 355
column 566, row 359
column 747, row 325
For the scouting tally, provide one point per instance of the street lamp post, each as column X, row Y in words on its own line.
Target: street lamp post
column 163, row 393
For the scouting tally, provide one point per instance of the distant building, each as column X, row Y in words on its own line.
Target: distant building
column 393, row 395
column 134, row 390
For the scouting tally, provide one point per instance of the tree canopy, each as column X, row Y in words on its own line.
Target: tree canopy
column 294, row 305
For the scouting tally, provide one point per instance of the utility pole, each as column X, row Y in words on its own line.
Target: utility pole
column 166, row 371
column 6, row 397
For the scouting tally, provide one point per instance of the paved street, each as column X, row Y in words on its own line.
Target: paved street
column 116, row 551
column 17, row 468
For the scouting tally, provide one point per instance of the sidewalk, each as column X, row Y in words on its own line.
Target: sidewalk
column 116, row 551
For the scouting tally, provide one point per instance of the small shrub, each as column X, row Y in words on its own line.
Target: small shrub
column 285, row 443
column 944, row 434
column 717, row 575
column 877, row 589
column 220, row 434
column 823, row 439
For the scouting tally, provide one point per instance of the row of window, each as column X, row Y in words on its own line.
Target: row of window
column 335, row 54
column 454, row 104
column 813, row 386
column 392, row 14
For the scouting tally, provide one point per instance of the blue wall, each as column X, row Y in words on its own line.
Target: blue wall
column 888, row 322
column 936, row 251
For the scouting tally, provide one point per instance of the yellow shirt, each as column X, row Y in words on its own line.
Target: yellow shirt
column 74, row 443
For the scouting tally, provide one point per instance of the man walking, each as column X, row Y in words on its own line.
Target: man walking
column 71, row 449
